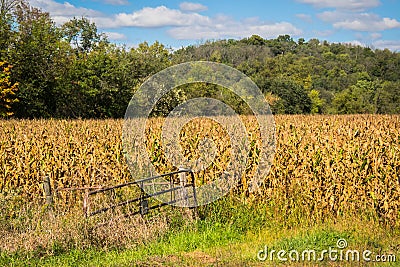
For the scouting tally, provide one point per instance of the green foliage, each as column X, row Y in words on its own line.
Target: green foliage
column 73, row 71
column 293, row 98
column 6, row 22
column 329, row 73
column 387, row 98
column 358, row 98
column 37, row 61
column 81, row 34
column 316, row 102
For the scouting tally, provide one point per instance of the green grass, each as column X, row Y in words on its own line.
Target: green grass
column 208, row 245
column 197, row 236
column 227, row 233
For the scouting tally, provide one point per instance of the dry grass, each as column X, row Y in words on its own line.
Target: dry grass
column 51, row 234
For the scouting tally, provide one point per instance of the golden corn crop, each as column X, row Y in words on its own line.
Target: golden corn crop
column 324, row 165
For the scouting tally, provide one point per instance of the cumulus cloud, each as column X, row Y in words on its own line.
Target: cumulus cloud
column 367, row 22
column 375, row 35
column 393, row 45
column 192, row 26
column 159, row 17
column 116, row 2
column 193, row 7
column 323, row 33
column 355, row 43
column 363, row 25
column 61, row 13
column 304, row 17
column 232, row 29
column 115, row 36
column 343, row 4
column 183, row 23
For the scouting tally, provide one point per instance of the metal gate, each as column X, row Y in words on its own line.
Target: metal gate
column 178, row 192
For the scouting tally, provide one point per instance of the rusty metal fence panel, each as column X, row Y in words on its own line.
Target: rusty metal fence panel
column 178, row 193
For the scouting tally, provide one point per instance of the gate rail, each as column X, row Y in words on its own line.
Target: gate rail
column 143, row 198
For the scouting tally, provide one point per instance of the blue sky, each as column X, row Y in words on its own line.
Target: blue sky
column 373, row 23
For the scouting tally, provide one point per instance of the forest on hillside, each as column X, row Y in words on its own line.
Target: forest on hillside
column 73, row 71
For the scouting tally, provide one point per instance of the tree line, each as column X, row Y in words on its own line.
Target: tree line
column 73, row 71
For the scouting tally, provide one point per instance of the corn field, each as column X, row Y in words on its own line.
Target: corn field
column 324, row 166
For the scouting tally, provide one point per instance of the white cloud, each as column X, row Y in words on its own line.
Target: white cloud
column 183, row 25
column 116, row 2
column 355, row 43
column 324, row 33
column 233, row 29
column 147, row 17
column 372, row 41
column 159, row 17
column 115, row 36
column 61, row 13
column 343, row 4
column 375, row 35
column 367, row 22
column 363, row 25
column 193, row 7
column 304, row 17
column 393, row 45
column 192, row 26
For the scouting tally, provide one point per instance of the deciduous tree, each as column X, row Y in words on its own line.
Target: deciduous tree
column 7, row 90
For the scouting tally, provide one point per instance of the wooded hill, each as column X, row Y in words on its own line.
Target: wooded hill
column 72, row 71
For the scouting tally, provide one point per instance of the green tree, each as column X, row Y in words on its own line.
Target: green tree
column 316, row 102
column 293, row 98
column 282, row 45
column 37, row 57
column 101, row 84
column 82, row 35
column 255, row 40
column 387, row 98
column 7, row 20
column 358, row 98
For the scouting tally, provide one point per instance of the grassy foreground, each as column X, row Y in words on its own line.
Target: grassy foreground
column 226, row 238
